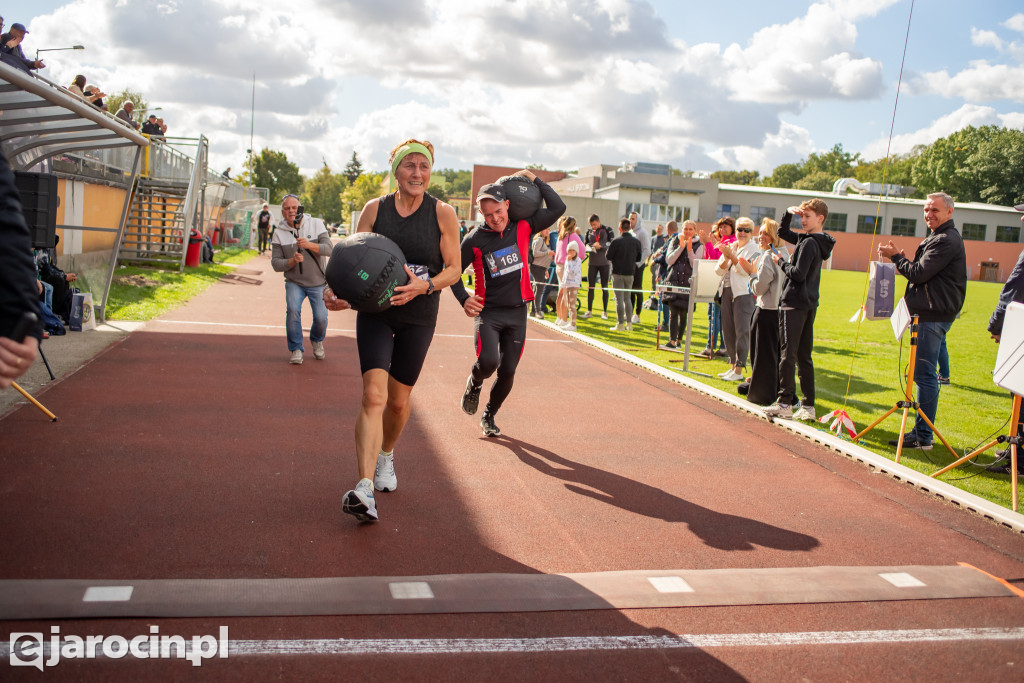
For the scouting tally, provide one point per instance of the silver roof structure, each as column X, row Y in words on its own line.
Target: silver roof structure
column 39, row 119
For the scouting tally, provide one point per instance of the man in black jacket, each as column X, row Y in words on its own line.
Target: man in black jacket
column 799, row 306
column 624, row 252
column 18, row 289
column 936, row 287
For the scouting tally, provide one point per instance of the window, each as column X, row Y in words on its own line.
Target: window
column 835, row 222
column 1007, row 233
column 974, row 231
column 728, row 210
column 658, row 213
column 866, row 224
column 757, row 213
column 905, row 227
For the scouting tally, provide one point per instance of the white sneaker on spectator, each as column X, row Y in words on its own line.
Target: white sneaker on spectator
column 629, row 328
column 618, row 328
column 805, row 413
column 296, row 358
column 585, row 314
column 779, row 410
column 318, row 350
column 636, row 319
column 604, row 316
column 732, row 376
column 569, row 328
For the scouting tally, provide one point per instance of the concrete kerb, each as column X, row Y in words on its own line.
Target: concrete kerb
column 964, row 499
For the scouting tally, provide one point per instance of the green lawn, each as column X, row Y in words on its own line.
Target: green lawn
column 145, row 293
column 860, row 367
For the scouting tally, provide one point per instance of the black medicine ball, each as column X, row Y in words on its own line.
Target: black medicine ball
column 523, row 197
column 364, row 270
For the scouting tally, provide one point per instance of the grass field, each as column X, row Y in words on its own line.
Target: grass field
column 145, row 293
column 860, row 367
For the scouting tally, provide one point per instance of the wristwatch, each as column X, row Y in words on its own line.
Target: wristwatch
column 430, row 287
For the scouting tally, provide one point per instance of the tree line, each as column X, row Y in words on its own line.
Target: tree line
column 973, row 165
column 334, row 196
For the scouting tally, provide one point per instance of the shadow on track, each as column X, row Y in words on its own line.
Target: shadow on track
column 716, row 529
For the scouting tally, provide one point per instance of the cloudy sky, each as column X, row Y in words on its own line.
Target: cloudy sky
column 563, row 83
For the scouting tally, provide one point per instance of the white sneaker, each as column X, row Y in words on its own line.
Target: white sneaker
column 629, row 328
column 569, row 328
column 779, row 410
column 359, row 502
column 732, row 376
column 318, row 350
column 561, row 323
column 805, row 413
column 618, row 328
column 384, row 478
column 585, row 314
column 636, row 319
column 296, row 358
column 604, row 316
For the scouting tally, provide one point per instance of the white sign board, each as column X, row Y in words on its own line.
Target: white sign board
column 1009, row 370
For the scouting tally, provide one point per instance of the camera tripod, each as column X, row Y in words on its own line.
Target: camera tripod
column 1015, row 441
column 37, row 404
column 909, row 403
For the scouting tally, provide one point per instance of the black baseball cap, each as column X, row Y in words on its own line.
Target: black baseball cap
column 19, row 27
column 491, row 191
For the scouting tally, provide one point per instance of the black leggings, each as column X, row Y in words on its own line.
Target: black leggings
column 593, row 272
column 677, row 316
column 500, row 339
column 398, row 348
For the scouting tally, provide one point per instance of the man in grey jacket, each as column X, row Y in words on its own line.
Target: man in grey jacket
column 637, row 297
column 298, row 248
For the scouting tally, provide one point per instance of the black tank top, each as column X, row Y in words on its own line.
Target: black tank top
column 419, row 236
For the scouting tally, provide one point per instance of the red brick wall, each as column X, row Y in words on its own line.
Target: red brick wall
column 854, row 251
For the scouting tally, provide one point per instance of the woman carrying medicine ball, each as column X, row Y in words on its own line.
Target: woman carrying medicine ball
column 393, row 343
column 498, row 251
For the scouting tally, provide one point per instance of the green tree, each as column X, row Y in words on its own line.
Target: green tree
column 353, row 170
column 999, row 164
column 322, row 195
column 271, row 169
column 818, row 181
column 737, row 177
column 355, row 196
column 438, row 192
column 947, row 164
column 140, row 103
column 898, row 171
column 835, row 162
column 784, row 175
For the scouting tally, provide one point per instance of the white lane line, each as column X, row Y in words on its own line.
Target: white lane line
column 435, row 646
column 571, row 644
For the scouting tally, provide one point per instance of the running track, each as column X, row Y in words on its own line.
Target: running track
column 623, row 528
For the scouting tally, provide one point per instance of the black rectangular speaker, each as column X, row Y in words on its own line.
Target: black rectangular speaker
column 39, row 204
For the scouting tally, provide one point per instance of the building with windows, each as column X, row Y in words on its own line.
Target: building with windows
column 992, row 233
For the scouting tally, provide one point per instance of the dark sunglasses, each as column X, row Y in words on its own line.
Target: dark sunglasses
column 744, row 230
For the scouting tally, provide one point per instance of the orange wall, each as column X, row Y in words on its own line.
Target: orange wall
column 854, row 251
column 101, row 208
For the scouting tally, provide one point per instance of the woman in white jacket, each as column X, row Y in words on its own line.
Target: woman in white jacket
column 737, row 301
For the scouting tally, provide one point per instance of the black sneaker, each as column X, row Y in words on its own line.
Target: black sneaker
column 471, row 399
column 911, row 441
column 487, row 424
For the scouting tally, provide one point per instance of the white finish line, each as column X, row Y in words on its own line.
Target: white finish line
column 470, row 646
column 432, row 646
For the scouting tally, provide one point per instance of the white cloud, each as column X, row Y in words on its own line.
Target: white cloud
column 980, row 81
column 986, row 39
column 966, row 115
column 1015, row 23
column 788, row 145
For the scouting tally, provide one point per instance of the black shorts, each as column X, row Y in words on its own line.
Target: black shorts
column 399, row 348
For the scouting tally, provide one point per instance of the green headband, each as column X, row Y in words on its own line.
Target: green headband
column 406, row 150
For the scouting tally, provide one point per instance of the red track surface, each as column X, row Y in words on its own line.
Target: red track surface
column 197, row 451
